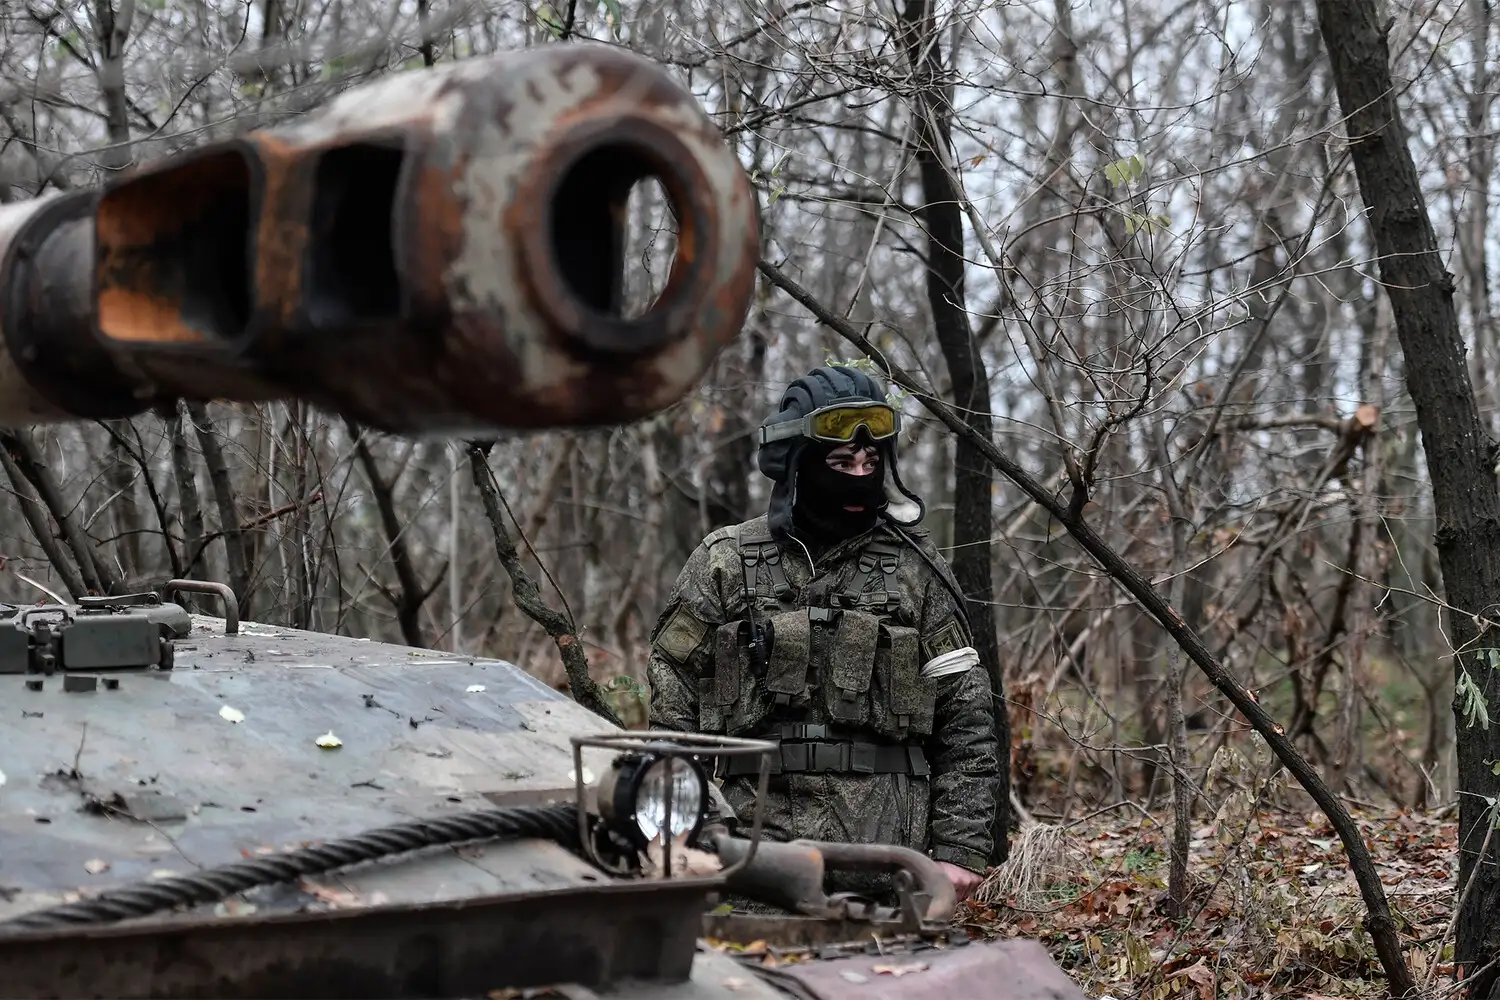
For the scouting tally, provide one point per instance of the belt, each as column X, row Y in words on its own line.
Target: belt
column 812, row 731
column 848, row 757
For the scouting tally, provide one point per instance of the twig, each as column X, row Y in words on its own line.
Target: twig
column 83, row 736
column 50, row 593
column 557, row 625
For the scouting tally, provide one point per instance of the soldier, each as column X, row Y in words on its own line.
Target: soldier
column 833, row 626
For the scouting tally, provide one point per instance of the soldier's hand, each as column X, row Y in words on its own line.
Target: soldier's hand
column 964, row 881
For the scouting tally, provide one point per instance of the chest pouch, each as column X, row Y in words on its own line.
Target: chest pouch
column 904, row 699
column 744, row 687
column 731, row 662
column 851, row 661
column 786, row 670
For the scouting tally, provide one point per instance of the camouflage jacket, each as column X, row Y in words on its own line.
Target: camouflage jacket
column 821, row 674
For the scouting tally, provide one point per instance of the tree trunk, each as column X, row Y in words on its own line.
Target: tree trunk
column 1460, row 455
column 411, row 594
column 224, row 499
column 95, row 574
column 1178, row 755
column 41, row 528
column 112, row 30
column 943, row 218
column 1473, row 242
column 187, row 494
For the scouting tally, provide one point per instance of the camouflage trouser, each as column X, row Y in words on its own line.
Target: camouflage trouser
column 843, row 808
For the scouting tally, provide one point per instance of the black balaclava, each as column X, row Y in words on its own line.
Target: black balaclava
column 818, row 513
column 787, row 460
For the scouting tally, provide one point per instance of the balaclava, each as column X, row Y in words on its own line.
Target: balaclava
column 803, row 479
column 822, row 494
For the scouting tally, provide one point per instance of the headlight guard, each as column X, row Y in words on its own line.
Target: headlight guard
column 636, row 800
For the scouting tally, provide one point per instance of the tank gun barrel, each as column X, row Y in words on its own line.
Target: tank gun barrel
column 440, row 251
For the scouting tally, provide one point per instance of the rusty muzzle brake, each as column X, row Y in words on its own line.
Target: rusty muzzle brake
column 440, row 251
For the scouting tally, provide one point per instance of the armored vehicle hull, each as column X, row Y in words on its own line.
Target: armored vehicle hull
column 260, row 741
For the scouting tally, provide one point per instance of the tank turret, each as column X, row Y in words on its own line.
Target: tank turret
column 439, row 251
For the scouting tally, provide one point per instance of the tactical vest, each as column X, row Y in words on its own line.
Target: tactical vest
column 850, row 663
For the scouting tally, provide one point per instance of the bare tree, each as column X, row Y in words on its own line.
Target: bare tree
column 1461, row 455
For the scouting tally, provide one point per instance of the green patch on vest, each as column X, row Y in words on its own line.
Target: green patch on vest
column 682, row 634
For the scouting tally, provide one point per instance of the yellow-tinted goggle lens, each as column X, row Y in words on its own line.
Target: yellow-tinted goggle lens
column 842, row 423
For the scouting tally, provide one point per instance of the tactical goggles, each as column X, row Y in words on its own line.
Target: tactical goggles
column 838, row 424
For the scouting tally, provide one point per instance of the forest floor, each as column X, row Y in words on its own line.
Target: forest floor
column 1274, row 908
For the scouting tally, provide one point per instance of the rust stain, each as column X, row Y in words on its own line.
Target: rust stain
column 140, row 319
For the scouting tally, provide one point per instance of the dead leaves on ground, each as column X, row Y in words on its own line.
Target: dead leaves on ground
column 1275, row 911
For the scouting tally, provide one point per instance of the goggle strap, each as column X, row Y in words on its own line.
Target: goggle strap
column 780, row 432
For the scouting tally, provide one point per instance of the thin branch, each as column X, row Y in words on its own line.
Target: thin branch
column 558, row 625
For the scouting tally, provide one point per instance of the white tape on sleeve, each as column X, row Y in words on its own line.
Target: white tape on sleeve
column 948, row 664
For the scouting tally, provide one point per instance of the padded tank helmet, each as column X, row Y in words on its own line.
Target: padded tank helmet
column 832, row 404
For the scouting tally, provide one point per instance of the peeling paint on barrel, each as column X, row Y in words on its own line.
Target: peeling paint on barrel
column 485, row 276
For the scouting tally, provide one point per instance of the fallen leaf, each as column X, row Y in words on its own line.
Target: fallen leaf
column 163, row 873
column 231, row 714
column 234, row 908
column 328, row 741
column 851, row 976
column 899, row 970
column 94, row 866
column 333, row 897
column 1201, row 973
column 735, row 983
column 1309, row 869
column 474, row 689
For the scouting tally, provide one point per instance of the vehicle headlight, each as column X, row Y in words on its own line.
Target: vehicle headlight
column 633, row 797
